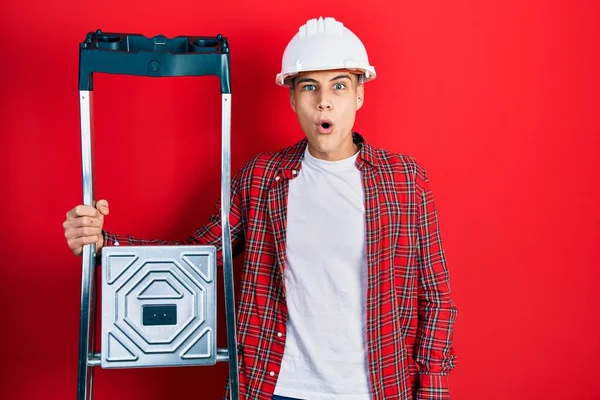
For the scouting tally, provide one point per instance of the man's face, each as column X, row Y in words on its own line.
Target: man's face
column 326, row 103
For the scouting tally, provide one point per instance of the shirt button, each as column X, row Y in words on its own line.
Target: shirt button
column 279, row 334
column 294, row 172
column 272, row 373
column 116, row 243
column 277, row 178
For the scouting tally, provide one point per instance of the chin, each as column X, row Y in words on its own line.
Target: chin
column 326, row 143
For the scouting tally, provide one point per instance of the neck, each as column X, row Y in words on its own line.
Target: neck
column 346, row 150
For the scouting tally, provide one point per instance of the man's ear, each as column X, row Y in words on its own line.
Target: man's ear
column 360, row 96
column 292, row 98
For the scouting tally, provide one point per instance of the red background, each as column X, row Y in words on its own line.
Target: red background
column 497, row 99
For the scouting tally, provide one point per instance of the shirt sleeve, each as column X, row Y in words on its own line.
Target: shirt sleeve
column 209, row 234
column 435, row 356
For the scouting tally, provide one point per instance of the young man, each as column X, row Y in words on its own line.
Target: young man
column 345, row 292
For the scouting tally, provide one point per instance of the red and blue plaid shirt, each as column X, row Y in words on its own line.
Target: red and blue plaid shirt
column 410, row 314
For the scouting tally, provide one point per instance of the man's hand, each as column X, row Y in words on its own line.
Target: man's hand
column 84, row 226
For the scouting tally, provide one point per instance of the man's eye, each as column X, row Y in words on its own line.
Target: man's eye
column 309, row 87
column 339, row 86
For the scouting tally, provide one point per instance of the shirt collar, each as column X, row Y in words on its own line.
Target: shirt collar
column 292, row 157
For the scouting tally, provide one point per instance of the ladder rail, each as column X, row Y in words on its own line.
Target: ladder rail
column 88, row 272
column 226, row 242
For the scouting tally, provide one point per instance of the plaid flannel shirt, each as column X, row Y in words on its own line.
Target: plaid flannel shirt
column 410, row 314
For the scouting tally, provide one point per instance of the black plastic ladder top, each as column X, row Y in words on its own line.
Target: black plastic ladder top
column 158, row 56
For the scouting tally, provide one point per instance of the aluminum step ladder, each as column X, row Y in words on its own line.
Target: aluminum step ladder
column 159, row 302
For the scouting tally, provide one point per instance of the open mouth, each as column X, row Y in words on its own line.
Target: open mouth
column 325, row 126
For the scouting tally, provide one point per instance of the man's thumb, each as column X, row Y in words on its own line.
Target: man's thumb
column 102, row 206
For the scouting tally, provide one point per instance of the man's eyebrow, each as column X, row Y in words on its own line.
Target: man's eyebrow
column 303, row 80
column 345, row 76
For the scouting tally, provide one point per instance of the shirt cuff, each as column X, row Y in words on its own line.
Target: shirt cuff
column 433, row 387
column 110, row 239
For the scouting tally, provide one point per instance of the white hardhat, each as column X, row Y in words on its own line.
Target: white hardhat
column 324, row 44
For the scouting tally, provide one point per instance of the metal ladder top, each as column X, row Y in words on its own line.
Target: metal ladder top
column 159, row 56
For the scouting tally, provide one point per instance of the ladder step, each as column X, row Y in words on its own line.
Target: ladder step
column 94, row 359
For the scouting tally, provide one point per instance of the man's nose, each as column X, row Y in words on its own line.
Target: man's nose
column 324, row 101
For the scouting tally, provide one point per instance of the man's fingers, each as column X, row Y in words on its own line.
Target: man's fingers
column 83, row 222
column 82, row 231
column 83, row 225
column 82, row 241
column 102, row 206
column 83, row 211
column 76, row 244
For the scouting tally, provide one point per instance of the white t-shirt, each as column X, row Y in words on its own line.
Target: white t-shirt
column 325, row 355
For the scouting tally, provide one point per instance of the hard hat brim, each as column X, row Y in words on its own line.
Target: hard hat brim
column 284, row 78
